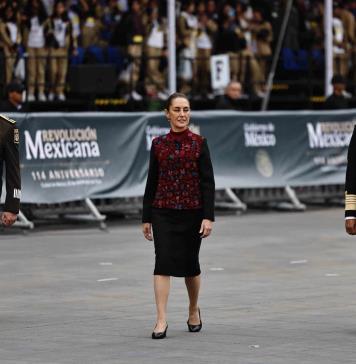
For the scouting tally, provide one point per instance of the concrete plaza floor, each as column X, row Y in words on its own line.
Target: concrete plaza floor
column 278, row 288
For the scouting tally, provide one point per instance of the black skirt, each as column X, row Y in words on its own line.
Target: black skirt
column 177, row 241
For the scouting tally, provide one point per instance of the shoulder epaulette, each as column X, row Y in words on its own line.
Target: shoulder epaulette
column 7, row 119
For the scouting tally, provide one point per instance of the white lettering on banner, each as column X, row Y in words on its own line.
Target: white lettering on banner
column 55, row 135
column 17, row 193
column 330, row 134
column 337, row 160
column 65, row 184
column 259, row 135
column 156, row 131
column 67, row 174
column 62, row 143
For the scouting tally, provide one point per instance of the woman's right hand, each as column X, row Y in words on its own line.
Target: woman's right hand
column 147, row 230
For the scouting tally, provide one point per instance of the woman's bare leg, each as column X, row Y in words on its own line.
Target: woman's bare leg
column 193, row 287
column 161, row 288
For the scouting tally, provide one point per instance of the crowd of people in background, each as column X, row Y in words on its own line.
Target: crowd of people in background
column 38, row 39
column 306, row 31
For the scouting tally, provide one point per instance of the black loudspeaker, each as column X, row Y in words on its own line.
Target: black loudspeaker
column 92, row 79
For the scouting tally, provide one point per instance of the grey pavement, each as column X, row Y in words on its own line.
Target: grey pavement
column 278, row 288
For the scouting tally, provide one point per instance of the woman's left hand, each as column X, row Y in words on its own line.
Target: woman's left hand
column 206, row 227
column 147, row 230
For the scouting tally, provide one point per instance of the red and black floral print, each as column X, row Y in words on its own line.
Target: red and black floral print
column 180, row 175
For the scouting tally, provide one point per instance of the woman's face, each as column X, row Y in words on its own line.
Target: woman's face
column 9, row 13
column 211, row 6
column 201, row 7
column 135, row 6
column 191, row 8
column 179, row 114
column 60, row 8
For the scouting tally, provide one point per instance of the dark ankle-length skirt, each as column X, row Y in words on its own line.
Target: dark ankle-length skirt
column 177, row 241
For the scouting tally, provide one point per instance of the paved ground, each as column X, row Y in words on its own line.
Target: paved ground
column 279, row 288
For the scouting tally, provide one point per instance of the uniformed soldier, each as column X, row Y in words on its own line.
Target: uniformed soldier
column 9, row 155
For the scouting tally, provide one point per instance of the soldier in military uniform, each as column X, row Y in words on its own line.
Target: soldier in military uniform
column 9, row 155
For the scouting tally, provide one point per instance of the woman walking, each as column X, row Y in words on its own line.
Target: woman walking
column 178, row 209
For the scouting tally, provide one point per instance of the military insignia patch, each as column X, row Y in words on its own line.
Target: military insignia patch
column 16, row 136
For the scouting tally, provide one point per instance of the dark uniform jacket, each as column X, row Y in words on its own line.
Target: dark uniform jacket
column 224, row 102
column 336, row 102
column 9, row 156
column 7, row 106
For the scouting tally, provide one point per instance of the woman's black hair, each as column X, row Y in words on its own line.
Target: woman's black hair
column 64, row 16
column 175, row 95
column 29, row 11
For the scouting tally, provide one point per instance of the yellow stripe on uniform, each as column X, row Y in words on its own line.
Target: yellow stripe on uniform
column 350, row 201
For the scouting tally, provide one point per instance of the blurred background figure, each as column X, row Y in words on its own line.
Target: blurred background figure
column 90, row 13
column 112, row 14
column 207, row 28
column 34, row 39
column 133, row 30
column 227, row 39
column 10, row 40
column 262, row 37
column 187, row 30
column 59, row 39
column 14, row 98
column 339, row 99
column 231, row 98
column 252, row 50
column 343, row 38
column 156, row 29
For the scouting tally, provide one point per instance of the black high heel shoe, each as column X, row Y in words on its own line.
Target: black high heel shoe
column 159, row 335
column 195, row 328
